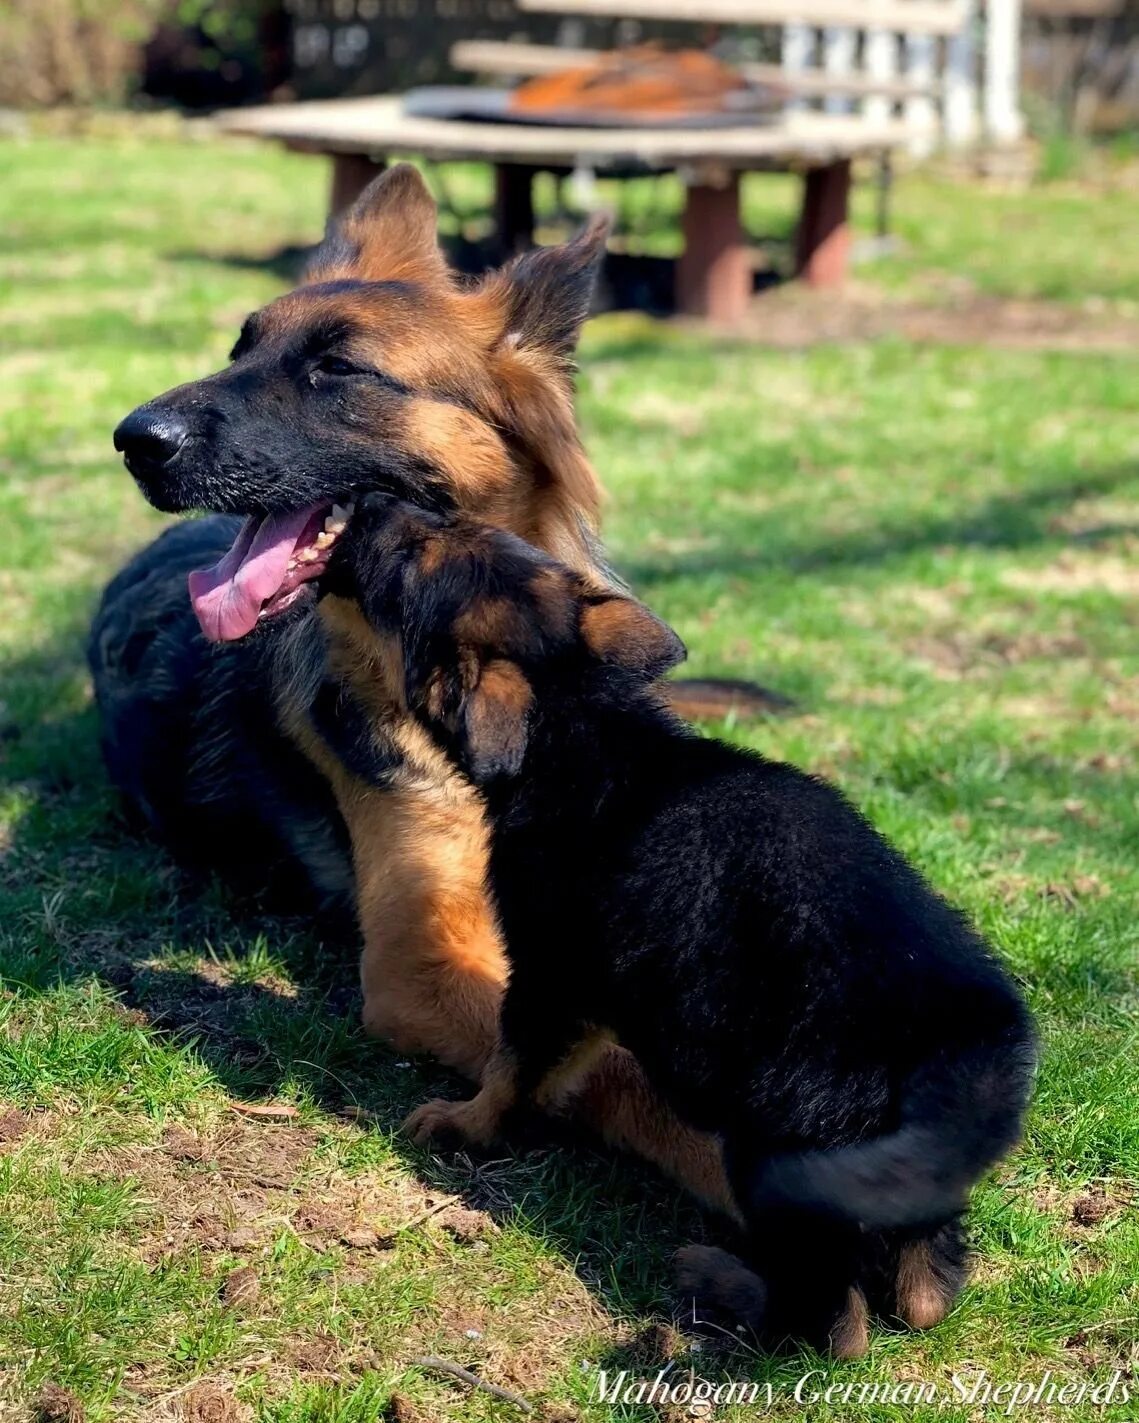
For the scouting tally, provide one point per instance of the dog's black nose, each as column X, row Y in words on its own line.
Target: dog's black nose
column 151, row 437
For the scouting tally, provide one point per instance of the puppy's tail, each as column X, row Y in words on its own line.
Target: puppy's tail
column 922, row 1173
column 714, row 698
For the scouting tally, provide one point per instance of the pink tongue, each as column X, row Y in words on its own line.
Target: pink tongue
column 227, row 598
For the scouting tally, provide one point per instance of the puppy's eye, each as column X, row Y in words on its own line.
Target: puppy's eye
column 337, row 366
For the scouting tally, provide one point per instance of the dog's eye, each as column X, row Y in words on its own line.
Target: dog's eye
column 337, row 366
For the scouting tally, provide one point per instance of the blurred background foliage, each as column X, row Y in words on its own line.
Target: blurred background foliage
column 105, row 52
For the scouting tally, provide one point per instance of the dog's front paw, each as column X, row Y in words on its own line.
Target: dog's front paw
column 454, row 1123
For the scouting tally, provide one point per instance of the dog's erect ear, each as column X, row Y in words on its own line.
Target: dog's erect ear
column 388, row 234
column 546, row 294
column 493, row 721
column 625, row 634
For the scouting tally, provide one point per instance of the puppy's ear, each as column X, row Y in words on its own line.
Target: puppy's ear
column 623, row 633
column 388, row 234
column 493, row 721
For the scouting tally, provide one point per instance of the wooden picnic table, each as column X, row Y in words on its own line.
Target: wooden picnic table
column 714, row 273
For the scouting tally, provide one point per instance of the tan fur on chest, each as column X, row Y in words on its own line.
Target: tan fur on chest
column 433, row 966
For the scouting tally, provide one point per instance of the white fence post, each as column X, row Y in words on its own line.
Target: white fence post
column 798, row 42
column 880, row 60
column 919, row 55
column 838, row 61
column 1004, row 123
column 960, row 101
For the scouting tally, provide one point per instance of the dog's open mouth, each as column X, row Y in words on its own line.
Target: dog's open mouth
column 272, row 559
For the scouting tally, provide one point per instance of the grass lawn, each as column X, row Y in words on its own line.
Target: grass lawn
column 933, row 548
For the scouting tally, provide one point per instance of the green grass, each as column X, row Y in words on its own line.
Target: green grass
column 932, row 548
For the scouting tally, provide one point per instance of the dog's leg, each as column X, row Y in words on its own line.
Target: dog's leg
column 475, row 1122
column 510, row 1077
column 433, row 968
column 810, row 1263
column 616, row 1102
column 931, row 1272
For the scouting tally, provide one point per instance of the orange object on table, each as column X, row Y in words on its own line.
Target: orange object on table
column 645, row 80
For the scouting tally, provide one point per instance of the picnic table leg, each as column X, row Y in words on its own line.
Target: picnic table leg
column 351, row 174
column 713, row 276
column 822, row 246
column 514, row 207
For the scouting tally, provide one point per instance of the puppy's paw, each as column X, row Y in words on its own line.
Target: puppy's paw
column 450, row 1123
column 714, row 1283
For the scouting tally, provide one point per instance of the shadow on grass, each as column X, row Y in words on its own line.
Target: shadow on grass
column 1014, row 521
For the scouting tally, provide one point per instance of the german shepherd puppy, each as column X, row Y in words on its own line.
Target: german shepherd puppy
column 787, row 981
column 381, row 371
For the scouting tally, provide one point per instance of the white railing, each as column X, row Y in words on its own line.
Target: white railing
column 953, row 88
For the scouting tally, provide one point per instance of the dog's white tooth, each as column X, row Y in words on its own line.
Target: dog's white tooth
column 334, row 526
column 325, row 539
column 349, row 511
column 339, row 514
column 292, row 563
column 307, row 555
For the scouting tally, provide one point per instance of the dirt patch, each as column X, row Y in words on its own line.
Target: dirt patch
column 400, row 1409
column 241, row 1287
column 269, row 1158
column 58, row 1405
column 1070, row 892
column 313, row 1356
column 220, row 1190
column 1104, row 762
column 209, row 1403
column 1011, row 886
column 13, row 1126
column 1097, row 519
column 793, row 317
column 940, row 603
column 1095, row 1206
column 215, row 1189
column 466, row 1226
column 655, row 1345
column 352, row 1216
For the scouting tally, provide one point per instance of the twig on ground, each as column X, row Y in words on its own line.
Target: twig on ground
column 268, row 1111
column 472, row 1380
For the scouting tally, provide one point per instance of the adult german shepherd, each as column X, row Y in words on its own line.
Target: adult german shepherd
column 379, row 372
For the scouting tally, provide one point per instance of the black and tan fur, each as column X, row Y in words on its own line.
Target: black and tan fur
column 381, row 371
column 786, row 979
